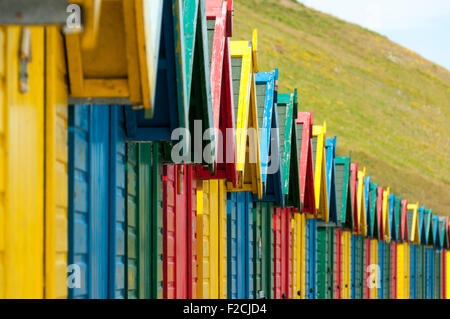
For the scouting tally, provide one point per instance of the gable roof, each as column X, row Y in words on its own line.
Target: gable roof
column 386, row 216
column 271, row 173
column 331, row 179
column 373, row 199
column 354, row 190
column 244, row 65
column 443, row 224
column 422, row 222
column 413, row 223
column 360, row 204
column 398, row 218
column 428, row 240
column 379, row 213
column 436, row 232
column 392, row 217
column 404, row 221
column 367, row 202
column 343, row 192
column 319, row 165
column 304, row 129
column 171, row 109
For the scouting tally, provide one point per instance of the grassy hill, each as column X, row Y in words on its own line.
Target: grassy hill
column 387, row 104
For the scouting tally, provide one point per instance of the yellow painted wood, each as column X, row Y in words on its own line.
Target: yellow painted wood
column 447, row 283
column 386, row 224
column 247, row 137
column 414, row 236
column 211, row 239
column 21, row 168
column 56, row 153
column 361, row 204
column 320, row 177
column 374, row 261
column 403, row 271
column 346, row 275
column 298, row 257
column 114, row 55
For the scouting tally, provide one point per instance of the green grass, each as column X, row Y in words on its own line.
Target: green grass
column 387, row 104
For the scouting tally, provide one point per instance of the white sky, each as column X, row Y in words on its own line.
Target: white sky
column 421, row 25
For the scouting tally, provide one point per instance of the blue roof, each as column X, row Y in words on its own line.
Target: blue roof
column 331, row 179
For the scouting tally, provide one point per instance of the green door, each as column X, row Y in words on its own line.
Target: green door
column 437, row 274
column 144, row 220
column 325, row 262
column 360, row 252
column 263, row 250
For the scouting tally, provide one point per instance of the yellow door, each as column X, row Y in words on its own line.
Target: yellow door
column 56, row 156
column 403, row 271
column 374, row 261
column 27, row 150
column 298, row 262
column 346, row 276
column 211, row 242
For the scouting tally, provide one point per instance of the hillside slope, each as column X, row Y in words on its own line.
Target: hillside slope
column 388, row 105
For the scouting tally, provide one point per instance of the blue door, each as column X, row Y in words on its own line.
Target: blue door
column 311, row 258
column 240, row 245
column 381, row 269
column 429, row 273
column 96, row 212
column 354, row 247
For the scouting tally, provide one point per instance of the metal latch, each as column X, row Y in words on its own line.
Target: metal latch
column 24, row 59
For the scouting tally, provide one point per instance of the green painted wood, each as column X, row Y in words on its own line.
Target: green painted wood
column 144, row 222
column 285, row 112
column 260, row 102
column 211, row 25
column 360, row 268
column 325, row 262
column 263, row 250
column 343, row 191
column 420, row 272
column 314, row 152
column 373, row 208
column 398, row 219
column 437, row 274
column 409, row 218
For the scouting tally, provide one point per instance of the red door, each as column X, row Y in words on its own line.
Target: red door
column 366, row 264
column 179, row 186
column 393, row 270
column 338, row 264
column 277, row 252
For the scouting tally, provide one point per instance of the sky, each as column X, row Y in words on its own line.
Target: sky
column 422, row 26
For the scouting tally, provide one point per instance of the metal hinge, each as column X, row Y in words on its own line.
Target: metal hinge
column 24, row 59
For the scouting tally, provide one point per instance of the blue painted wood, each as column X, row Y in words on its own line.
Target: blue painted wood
column 331, row 179
column 270, row 141
column 413, row 272
column 393, row 222
column 170, row 96
column 381, row 258
column 240, row 245
column 354, row 267
column 311, row 258
column 96, row 211
column 421, row 214
column 429, row 273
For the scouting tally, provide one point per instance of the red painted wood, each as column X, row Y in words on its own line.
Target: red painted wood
column 393, row 270
column 366, row 264
column 404, row 225
column 277, row 252
column 353, row 187
column 307, row 195
column 338, row 264
column 286, row 245
column 380, row 213
column 180, row 257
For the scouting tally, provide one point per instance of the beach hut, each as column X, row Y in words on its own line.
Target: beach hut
column 244, row 65
column 345, row 219
column 403, row 255
column 320, row 173
column 266, row 93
